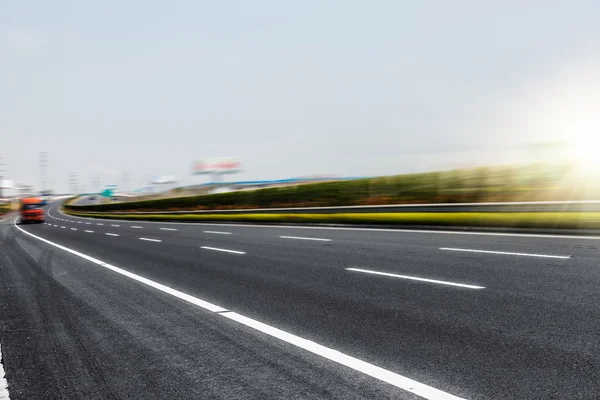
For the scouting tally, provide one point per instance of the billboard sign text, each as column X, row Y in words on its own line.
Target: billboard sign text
column 217, row 166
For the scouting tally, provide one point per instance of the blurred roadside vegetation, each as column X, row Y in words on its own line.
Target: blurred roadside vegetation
column 533, row 182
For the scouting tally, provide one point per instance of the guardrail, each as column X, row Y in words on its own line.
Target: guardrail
column 538, row 206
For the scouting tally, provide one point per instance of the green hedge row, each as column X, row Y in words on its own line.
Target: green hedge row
column 529, row 183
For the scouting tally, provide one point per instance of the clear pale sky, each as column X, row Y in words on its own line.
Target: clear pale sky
column 292, row 88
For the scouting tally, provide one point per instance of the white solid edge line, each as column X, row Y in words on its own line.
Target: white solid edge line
column 136, row 227
column 150, row 240
column 374, row 371
column 4, row 394
column 503, row 253
column 366, row 368
column 435, row 205
column 218, row 232
column 305, row 238
column 414, row 278
column 88, row 231
column 340, row 228
column 201, row 303
column 167, row 229
column 225, row 250
column 112, row 234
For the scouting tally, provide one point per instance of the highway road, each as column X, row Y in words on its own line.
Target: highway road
column 100, row 309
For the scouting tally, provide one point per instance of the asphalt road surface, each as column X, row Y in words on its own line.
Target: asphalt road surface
column 101, row 309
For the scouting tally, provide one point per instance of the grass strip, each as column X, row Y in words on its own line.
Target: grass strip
column 545, row 220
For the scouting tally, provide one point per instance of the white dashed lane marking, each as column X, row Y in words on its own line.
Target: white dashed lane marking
column 415, row 278
column 305, row 238
column 224, row 250
column 508, row 253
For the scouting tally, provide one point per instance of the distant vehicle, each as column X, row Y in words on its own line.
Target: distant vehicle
column 45, row 195
column 31, row 210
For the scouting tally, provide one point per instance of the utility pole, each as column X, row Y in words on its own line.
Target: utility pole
column 126, row 181
column 95, row 183
column 73, row 182
column 43, row 159
column 1, row 177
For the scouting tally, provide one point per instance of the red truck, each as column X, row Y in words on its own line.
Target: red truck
column 31, row 210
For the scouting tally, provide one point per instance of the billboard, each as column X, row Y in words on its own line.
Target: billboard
column 223, row 165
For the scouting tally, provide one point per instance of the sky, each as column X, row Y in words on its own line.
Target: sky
column 291, row 88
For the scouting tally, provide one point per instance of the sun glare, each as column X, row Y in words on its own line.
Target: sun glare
column 586, row 152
